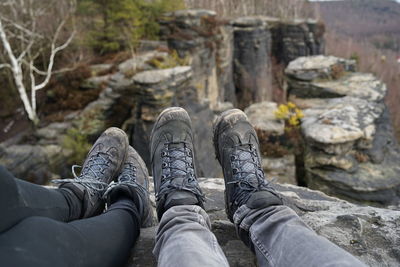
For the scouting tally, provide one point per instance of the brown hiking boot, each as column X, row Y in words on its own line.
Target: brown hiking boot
column 102, row 165
column 172, row 161
column 133, row 182
column 237, row 150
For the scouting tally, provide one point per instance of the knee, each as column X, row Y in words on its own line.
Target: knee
column 6, row 178
column 185, row 214
column 38, row 225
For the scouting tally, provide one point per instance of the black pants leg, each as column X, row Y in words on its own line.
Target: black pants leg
column 20, row 199
column 104, row 240
column 34, row 233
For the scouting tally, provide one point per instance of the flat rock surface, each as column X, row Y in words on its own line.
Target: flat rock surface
column 158, row 76
column 371, row 234
column 262, row 117
column 341, row 120
column 317, row 67
column 361, row 85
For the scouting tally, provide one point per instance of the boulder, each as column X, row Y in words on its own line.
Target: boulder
column 318, row 67
column 371, row 234
column 360, row 85
column 262, row 117
column 355, row 171
column 34, row 163
column 139, row 63
column 342, row 120
column 52, row 133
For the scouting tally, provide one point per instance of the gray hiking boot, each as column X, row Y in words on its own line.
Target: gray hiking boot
column 174, row 172
column 102, row 165
column 133, row 183
column 237, row 150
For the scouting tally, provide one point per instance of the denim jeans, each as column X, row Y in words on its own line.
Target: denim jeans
column 276, row 234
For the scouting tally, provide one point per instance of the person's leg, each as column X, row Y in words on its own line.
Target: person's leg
column 20, row 199
column 184, row 237
column 280, row 238
column 274, row 232
column 76, row 198
column 104, row 240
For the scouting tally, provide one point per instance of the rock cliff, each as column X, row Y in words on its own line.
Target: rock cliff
column 350, row 149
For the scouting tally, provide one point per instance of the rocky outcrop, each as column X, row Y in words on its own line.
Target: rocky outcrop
column 158, row 89
column 350, row 148
column 252, row 62
column 196, row 34
column 232, row 60
column 299, row 38
column 133, row 92
column 371, row 234
column 154, row 91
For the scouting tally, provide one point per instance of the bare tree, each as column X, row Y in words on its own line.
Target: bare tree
column 32, row 33
column 284, row 9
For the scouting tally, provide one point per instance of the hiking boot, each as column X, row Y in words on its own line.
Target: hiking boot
column 102, row 165
column 172, row 162
column 237, row 150
column 133, row 183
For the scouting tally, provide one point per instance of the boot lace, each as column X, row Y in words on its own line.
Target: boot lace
column 177, row 162
column 91, row 175
column 128, row 176
column 247, row 173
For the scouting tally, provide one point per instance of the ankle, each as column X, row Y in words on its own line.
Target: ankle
column 74, row 201
column 128, row 205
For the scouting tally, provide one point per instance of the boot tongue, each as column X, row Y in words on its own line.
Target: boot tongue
column 247, row 163
column 179, row 160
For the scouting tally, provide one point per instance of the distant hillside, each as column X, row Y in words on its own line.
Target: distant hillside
column 377, row 21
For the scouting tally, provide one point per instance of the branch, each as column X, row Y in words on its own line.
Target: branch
column 54, row 51
column 7, row 47
column 2, row 66
column 21, row 28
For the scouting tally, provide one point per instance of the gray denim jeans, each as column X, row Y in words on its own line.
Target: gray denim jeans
column 276, row 234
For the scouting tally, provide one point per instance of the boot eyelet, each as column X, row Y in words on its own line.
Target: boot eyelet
column 163, row 154
column 233, row 158
column 235, row 171
column 164, row 165
column 163, row 176
column 189, row 153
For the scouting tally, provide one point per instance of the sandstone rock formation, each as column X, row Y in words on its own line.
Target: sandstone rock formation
column 350, row 148
column 252, row 62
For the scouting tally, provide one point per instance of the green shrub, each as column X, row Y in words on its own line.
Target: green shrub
column 77, row 143
column 120, row 24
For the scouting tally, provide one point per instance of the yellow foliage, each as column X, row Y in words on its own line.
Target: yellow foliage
column 290, row 113
column 291, row 105
column 173, row 60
